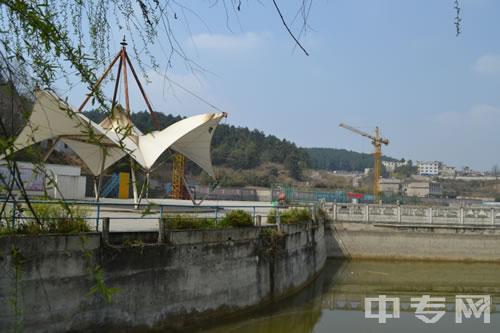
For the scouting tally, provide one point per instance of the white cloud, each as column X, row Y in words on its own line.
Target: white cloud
column 221, row 42
column 479, row 116
column 464, row 138
column 488, row 64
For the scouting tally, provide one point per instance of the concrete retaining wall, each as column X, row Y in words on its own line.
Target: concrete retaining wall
column 45, row 281
column 418, row 242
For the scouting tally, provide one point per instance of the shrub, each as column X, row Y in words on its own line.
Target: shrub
column 234, row 218
column 185, row 221
column 237, row 218
column 290, row 216
column 52, row 218
column 271, row 216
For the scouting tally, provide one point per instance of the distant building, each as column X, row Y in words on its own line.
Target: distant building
column 428, row 168
column 70, row 183
column 392, row 165
column 422, row 189
column 390, row 185
column 447, row 171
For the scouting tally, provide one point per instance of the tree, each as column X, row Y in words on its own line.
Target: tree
column 42, row 41
column 54, row 37
column 405, row 171
column 292, row 164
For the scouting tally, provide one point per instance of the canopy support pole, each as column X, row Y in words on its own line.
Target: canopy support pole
column 144, row 187
column 123, row 62
column 148, row 104
column 96, row 189
column 51, row 149
column 134, row 182
column 147, row 185
column 98, row 83
column 99, row 185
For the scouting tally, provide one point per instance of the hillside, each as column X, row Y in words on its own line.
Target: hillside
column 340, row 159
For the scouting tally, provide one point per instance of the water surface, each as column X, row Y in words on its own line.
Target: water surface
column 334, row 302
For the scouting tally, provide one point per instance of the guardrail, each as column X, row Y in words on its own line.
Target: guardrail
column 143, row 216
column 470, row 215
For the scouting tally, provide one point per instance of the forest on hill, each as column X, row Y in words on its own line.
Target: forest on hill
column 340, row 159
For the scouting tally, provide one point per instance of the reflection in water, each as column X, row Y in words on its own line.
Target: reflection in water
column 335, row 301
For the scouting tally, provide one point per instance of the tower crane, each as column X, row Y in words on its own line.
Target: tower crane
column 377, row 142
column 178, row 170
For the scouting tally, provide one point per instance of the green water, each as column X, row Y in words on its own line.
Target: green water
column 334, row 302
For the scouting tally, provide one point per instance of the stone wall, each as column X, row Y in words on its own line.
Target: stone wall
column 412, row 242
column 46, row 282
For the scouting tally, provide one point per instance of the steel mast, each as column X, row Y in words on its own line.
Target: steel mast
column 377, row 142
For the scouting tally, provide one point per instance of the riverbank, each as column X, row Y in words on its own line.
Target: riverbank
column 58, row 283
column 429, row 242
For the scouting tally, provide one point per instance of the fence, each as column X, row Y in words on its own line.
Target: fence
column 220, row 193
column 471, row 215
column 125, row 216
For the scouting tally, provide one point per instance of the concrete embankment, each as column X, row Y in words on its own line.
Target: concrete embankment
column 56, row 283
column 412, row 242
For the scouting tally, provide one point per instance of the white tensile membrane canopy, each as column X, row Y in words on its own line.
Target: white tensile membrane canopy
column 53, row 118
column 101, row 145
column 191, row 137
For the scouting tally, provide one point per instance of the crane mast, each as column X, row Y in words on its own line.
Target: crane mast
column 178, row 170
column 377, row 142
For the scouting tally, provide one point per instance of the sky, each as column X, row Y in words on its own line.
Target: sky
column 396, row 64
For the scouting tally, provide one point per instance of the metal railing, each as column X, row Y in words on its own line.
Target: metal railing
column 127, row 216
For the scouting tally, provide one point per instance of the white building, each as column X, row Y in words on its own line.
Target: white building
column 447, row 171
column 428, row 168
column 392, row 165
column 70, row 183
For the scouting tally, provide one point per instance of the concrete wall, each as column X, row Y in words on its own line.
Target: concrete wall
column 201, row 275
column 419, row 242
column 68, row 187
